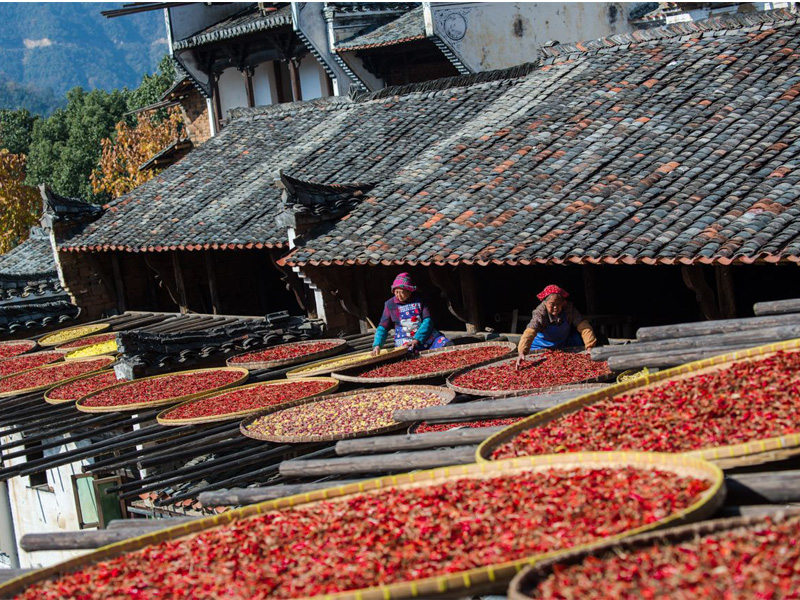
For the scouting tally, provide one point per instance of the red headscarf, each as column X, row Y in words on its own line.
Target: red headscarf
column 551, row 289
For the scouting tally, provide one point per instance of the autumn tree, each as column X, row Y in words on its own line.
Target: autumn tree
column 20, row 204
column 130, row 148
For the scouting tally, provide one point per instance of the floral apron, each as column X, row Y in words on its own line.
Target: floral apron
column 410, row 320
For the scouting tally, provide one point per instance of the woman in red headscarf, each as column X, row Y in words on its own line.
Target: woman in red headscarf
column 408, row 313
column 555, row 323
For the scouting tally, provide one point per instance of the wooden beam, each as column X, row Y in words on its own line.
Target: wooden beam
column 179, row 284
column 378, row 463
column 777, row 307
column 695, row 281
column 213, row 290
column 215, row 100
column 79, row 540
column 763, row 487
column 469, row 295
column 149, row 523
column 247, row 72
column 754, row 510
column 415, row 441
column 294, row 79
column 119, row 283
column 700, row 328
column 491, row 409
column 725, row 292
column 239, row 496
column 279, row 95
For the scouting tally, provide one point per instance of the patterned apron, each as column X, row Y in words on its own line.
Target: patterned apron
column 410, row 320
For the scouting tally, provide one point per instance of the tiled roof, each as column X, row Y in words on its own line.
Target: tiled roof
column 33, row 257
column 250, row 20
column 674, row 145
column 222, row 194
column 405, row 28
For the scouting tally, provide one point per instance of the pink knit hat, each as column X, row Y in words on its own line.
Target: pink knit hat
column 403, row 281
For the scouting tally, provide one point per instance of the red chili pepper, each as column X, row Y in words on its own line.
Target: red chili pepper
column 285, row 351
column 451, row 360
column 426, row 427
column 9, row 366
column 50, row 375
column 387, row 537
column 86, row 385
column 88, row 341
column 9, row 349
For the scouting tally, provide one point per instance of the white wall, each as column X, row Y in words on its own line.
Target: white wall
column 264, row 87
column 312, row 78
column 232, row 90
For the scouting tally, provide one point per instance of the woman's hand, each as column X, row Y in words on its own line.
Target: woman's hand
column 375, row 351
column 520, row 360
column 412, row 345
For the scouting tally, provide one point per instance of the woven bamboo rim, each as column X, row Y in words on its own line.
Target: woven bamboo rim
column 285, row 362
column 163, row 418
column 526, row 581
column 446, row 395
column 327, row 366
column 733, row 455
column 502, row 393
column 91, row 330
column 88, row 339
column 474, row 581
column 29, row 343
column 50, row 400
column 69, row 356
column 164, row 401
column 343, row 375
column 47, row 386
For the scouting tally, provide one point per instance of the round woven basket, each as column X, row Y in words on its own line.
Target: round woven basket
column 8, row 394
column 162, row 402
column 525, row 583
column 163, row 416
column 445, row 395
column 741, row 454
column 54, row 339
column 503, row 393
column 327, row 366
column 84, row 341
column 51, row 400
column 350, row 376
column 285, row 362
column 30, row 345
column 479, row 581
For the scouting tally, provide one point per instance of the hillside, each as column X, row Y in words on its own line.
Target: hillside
column 49, row 48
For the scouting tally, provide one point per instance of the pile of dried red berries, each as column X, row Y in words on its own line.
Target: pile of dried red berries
column 749, row 400
column 390, row 536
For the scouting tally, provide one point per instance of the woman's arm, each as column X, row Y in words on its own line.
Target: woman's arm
column 424, row 330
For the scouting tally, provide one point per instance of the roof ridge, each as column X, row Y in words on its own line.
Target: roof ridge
column 715, row 24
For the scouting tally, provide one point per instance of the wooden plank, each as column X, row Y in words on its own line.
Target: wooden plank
column 179, row 285
column 701, row 328
column 8, row 574
column 490, row 409
column 78, row 540
column 671, row 359
column 777, row 307
column 754, row 510
column 415, row 441
column 213, row 290
column 149, row 523
column 751, row 337
column 243, row 496
column 379, row 463
column 771, row 487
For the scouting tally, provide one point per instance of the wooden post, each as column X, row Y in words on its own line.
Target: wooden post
column 212, row 283
column 179, row 285
column 725, row 293
column 695, row 281
column 150, row 284
column 294, row 79
column 119, row 284
column 215, row 99
column 328, row 83
column 469, row 295
column 361, row 298
column 279, row 95
column 590, row 288
column 248, row 86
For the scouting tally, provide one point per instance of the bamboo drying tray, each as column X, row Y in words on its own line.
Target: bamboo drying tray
column 526, row 581
column 479, row 581
column 522, row 391
column 741, row 454
column 445, row 394
column 50, row 400
column 164, row 401
column 86, row 341
column 108, row 360
column 347, row 374
column 163, row 416
column 329, row 365
column 285, row 362
column 80, row 331
column 29, row 343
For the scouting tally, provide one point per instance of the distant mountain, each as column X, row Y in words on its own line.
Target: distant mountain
column 49, row 48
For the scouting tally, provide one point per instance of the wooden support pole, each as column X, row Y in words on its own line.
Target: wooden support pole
column 247, row 72
column 294, row 79
column 469, row 295
column 754, row 510
column 415, row 441
column 81, row 540
column 361, row 298
column 216, row 101
column 700, row 328
column 242, row 496
column 119, row 283
column 590, row 288
column 150, row 285
column 179, row 285
column 491, row 409
column 149, row 523
column 213, row 289
column 378, row 463
column 777, row 307
column 764, row 487
column 279, row 94
column 725, row 293
column 695, row 281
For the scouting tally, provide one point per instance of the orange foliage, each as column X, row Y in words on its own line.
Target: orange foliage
column 20, row 205
column 118, row 172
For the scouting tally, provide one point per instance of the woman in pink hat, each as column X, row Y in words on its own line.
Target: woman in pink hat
column 555, row 323
column 410, row 317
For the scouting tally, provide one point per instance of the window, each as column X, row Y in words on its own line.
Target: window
column 95, row 506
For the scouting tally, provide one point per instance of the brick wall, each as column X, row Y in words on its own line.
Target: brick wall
column 89, row 281
column 196, row 117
